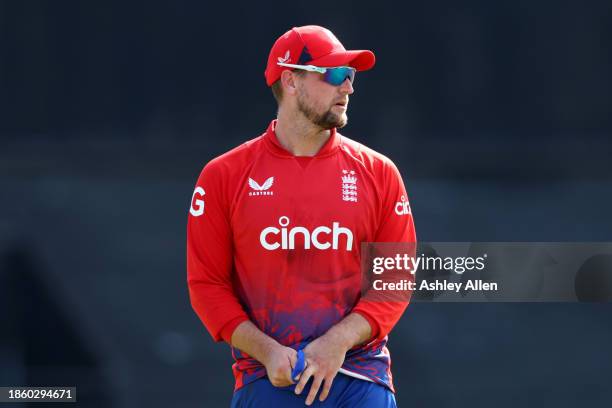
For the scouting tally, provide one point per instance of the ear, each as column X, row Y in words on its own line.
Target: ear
column 288, row 80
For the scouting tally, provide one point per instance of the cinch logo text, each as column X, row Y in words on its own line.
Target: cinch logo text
column 402, row 207
column 319, row 237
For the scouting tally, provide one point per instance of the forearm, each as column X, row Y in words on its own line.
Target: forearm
column 276, row 358
column 248, row 338
column 351, row 331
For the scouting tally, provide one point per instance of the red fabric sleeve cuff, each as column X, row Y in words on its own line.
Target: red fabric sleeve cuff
column 228, row 329
column 374, row 326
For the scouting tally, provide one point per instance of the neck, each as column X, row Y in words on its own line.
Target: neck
column 298, row 135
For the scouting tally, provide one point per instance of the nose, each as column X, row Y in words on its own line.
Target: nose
column 347, row 87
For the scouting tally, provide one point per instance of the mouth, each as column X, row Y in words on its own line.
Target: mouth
column 342, row 104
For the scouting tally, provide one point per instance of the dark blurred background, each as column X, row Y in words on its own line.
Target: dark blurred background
column 498, row 115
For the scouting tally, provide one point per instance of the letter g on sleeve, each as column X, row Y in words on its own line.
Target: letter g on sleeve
column 209, row 256
column 197, row 202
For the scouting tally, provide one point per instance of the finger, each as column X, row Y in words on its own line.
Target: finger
column 308, row 372
column 287, row 376
column 288, row 373
column 314, row 388
column 326, row 388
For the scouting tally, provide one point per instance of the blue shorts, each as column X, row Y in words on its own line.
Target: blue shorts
column 345, row 392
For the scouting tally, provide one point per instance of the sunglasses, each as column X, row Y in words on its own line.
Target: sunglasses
column 333, row 76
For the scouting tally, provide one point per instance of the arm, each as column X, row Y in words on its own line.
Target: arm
column 351, row 331
column 369, row 319
column 210, row 257
column 278, row 359
column 209, row 271
column 395, row 225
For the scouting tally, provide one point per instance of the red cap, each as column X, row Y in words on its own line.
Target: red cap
column 313, row 45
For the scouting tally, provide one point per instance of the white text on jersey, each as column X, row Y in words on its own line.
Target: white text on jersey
column 402, row 207
column 287, row 236
column 199, row 203
column 258, row 190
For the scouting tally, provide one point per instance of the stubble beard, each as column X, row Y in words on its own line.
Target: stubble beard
column 327, row 120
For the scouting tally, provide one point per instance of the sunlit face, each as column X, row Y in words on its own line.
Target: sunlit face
column 323, row 104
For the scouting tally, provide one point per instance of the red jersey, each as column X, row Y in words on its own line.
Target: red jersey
column 275, row 239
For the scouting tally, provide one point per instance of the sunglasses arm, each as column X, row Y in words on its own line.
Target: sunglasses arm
column 310, row 68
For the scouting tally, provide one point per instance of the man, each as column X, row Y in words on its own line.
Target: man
column 274, row 237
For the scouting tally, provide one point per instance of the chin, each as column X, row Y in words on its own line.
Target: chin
column 343, row 120
column 332, row 120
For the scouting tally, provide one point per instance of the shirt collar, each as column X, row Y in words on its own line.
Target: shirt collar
column 330, row 146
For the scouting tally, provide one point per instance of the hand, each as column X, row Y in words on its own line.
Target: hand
column 279, row 363
column 324, row 357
